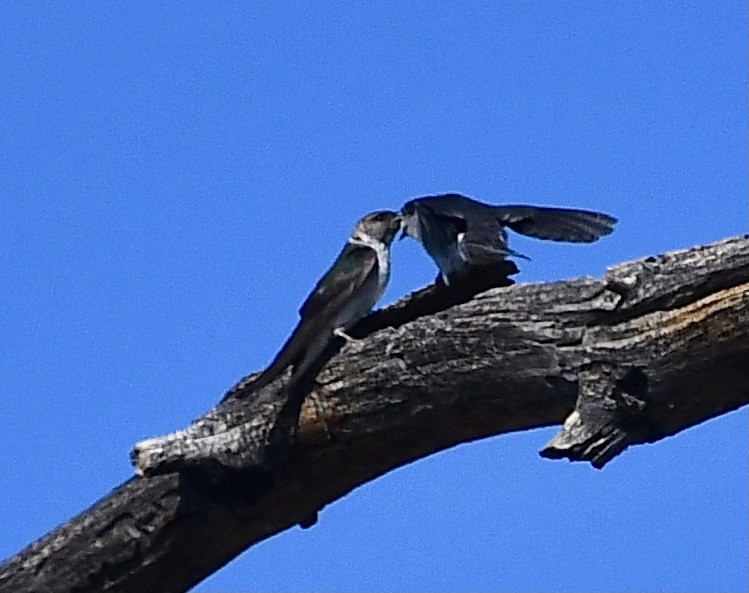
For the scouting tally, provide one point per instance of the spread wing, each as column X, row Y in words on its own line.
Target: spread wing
column 553, row 224
column 556, row 224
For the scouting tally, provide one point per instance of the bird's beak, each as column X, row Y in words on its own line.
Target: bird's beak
column 513, row 253
column 404, row 229
column 396, row 224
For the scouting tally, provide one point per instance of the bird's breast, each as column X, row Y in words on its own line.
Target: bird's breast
column 448, row 258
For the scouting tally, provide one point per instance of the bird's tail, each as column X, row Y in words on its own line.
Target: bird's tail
column 302, row 351
column 480, row 253
column 291, row 353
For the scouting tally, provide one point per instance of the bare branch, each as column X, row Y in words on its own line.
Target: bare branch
column 654, row 347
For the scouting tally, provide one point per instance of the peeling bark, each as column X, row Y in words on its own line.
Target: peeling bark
column 656, row 346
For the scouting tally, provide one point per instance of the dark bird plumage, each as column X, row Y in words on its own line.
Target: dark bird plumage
column 345, row 294
column 463, row 235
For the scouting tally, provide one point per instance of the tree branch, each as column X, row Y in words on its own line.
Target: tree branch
column 656, row 346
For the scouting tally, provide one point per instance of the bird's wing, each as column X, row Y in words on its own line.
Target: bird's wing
column 453, row 207
column 484, row 244
column 290, row 354
column 440, row 223
column 354, row 266
column 555, row 224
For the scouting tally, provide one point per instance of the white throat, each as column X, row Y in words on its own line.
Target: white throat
column 383, row 258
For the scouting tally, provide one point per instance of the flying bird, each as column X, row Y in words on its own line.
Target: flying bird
column 345, row 294
column 464, row 236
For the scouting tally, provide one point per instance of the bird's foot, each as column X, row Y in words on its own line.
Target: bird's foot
column 342, row 334
column 440, row 282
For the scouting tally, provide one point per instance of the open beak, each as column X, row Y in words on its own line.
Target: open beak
column 401, row 226
column 513, row 253
column 403, row 229
column 396, row 225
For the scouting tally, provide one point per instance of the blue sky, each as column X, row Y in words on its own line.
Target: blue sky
column 176, row 177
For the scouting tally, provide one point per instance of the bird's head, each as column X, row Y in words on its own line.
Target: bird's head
column 410, row 216
column 379, row 226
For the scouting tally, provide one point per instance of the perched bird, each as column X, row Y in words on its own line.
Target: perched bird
column 345, row 294
column 464, row 236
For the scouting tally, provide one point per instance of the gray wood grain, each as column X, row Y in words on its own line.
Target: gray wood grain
column 653, row 347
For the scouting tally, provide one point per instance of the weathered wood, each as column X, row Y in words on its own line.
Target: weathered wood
column 654, row 347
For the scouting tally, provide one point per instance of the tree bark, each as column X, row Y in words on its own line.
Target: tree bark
column 654, row 347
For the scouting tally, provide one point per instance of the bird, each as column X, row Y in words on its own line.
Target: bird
column 465, row 237
column 344, row 295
